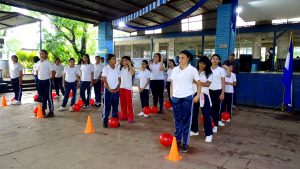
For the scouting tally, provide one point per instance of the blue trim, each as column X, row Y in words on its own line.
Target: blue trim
column 173, row 21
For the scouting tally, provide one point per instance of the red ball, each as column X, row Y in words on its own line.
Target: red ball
column 202, row 119
column 53, row 95
column 154, row 109
column 167, row 104
column 13, row 99
column 35, row 111
column 71, row 94
column 92, row 101
column 166, row 139
column 80, row 102
column 76, row 107
column 35, row 97
column 113, row 122
column 225, row 116
column 147, row 110
column 212, row 124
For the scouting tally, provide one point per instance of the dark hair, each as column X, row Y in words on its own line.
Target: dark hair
column 232, row 54
column 124, row 57
column 102, row 58
column 71, row 59
column 109, row 56
column 207, row 62
column 217, row 55
column 229, row 64
column 172, row 60
column 57, row 59
column 88, row 57
column 147, row 65
column 44, row 51
column 36, row 59
column 159, row 56
column 188, row 54
column 80, row 61
column 98, row 57
column 15, row 56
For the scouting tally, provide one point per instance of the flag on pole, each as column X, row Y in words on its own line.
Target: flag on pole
column 288, row 76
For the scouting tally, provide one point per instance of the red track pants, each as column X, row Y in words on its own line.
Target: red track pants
column 126, row 104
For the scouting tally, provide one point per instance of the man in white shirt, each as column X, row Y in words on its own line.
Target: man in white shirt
column 45, row 72
column 98, row 67
column 16, row 79
column 59, row 69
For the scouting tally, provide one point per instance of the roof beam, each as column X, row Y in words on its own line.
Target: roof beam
column 162, row 15
column 148, row 19
column 172, row 7
column 108, row 6
column 131, row 3
column 9, row 16
column 5, row 25
column 202, row 7
column 138, row 23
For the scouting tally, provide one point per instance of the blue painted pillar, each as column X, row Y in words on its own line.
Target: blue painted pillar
column 105, row 39
column 225, row 30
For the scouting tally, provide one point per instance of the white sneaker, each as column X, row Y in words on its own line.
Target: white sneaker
column 141, row 114
column 228, row 120
column 61, row 109
column 194, row 134
column 215, row 129
column 146, row 115
column 171, row 108
column 17, row 102
column 208, row 139
column 221, row 124
column 71, row 109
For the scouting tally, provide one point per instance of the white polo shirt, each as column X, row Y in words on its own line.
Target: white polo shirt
column 182, row 81
column 216, row 80
column 45, row 69
column 156, row 73
column 231, row 79
column 71, row 74
column 98, row 68
column 14, row 70
column 86, row 72
column 126, row 79
column 144, row 76
column 59, row 69
column 112, row 76
column 204, row 79
column 169, row 72
column 35, row 66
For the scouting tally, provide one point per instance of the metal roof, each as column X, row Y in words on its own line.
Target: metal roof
column 91, row 11
column 13, row 19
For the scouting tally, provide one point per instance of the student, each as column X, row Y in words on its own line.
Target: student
column 98, row 67
column 112, row 81
column 205, row 76
column 16, row 77
column 36, row 80
column 216, row 90
column 127, row 71
column 87, row 76
column 182, row 92
column 103, row 64
column 143, row 86
column 45, row 72
column 71, row 83
column 157, row 81
column 230, row 81
column 169, row 72
column 58, row 80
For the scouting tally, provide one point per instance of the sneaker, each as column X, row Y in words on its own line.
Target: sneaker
column 61, row 108
column 228, row 121
column 17, row 102
column 215, row 129
column 141, row 114
column 171, row 108
column 71, row 109
column 50, row 114
column 86, row 106
column 146, row 115
column 194, row 134
column 184, row 148
column 208, row 139
column 221, row 124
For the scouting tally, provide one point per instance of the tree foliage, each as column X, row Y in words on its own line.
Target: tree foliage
column 26, row 58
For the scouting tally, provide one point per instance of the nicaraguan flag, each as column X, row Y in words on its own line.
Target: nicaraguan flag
column 288, row 76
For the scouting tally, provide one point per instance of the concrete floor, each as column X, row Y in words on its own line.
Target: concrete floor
column 256, row 138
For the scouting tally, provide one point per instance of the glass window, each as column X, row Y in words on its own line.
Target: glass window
column 156, row 31
column 191, row 24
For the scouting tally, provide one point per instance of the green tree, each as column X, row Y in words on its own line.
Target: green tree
column 26, row 58
column 70, row 38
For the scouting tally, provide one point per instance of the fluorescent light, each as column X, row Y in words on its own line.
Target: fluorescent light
column 121, row 24
column 239, row 10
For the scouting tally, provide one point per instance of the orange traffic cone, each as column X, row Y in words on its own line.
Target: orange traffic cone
column 40, row 113
column 174, row 154
column 89, row 126
column 4, row 101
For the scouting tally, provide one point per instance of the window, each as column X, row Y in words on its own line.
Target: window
column 191, row 24
column 285, row 21
column 133, row 34
column 209, row 52
column 296, row 52
column 241, row 23
column 118, row 33
column 155, row 31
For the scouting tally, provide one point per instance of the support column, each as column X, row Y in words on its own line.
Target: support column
column 156, row 48
column 283, row 43
column 225, row 30
column 171, row 49
column 256, row 46
column 105, row 39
